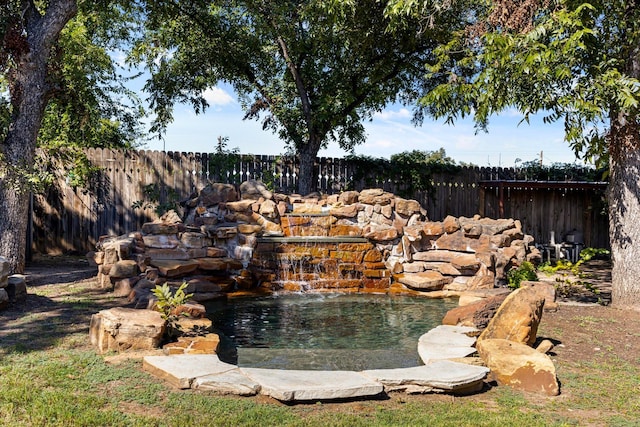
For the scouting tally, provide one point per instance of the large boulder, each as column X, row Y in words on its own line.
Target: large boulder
column 119, row 329
column 254, row 190
column 518, row 317
column 216, row 193
column 519, row 366
column 476, row 315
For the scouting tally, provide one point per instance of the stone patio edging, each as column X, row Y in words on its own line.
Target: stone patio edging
column 438, row 375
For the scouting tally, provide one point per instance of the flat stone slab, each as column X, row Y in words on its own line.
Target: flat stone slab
column 229, row 382
column 182, row 369
column 445, row 376
column 312, row 385
column 446, row 342
column 425, row 281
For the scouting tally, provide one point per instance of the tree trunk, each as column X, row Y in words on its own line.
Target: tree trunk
column 29, row 92
column 307, row 179
column 624, row 212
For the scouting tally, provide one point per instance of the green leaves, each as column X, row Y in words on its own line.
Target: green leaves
column 575, row 65
column 168, row 300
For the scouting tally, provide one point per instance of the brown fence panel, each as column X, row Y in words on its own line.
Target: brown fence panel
column 122, row 195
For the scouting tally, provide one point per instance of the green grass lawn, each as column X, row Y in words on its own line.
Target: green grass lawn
column 50, row 376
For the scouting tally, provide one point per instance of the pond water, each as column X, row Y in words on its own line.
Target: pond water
column 325, row 331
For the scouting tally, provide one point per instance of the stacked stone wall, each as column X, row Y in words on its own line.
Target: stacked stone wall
column 253, row 239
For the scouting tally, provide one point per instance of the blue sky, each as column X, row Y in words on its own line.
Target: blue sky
column 390, row 132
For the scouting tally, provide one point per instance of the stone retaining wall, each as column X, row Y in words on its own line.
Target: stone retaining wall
column 227, row 242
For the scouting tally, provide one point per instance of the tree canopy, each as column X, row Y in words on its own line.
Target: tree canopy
column 575, row 61
column 311, row 70
column 59, row 89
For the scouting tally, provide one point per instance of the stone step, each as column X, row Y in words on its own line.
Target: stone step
column 312, row 385
column 439, row 376
column 447, row 342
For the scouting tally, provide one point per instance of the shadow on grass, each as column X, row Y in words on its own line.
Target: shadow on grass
column 60, row 302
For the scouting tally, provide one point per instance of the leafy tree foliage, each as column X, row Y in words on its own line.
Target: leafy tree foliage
column 577, row 61
column 311, row 70
column 58, row 87
column 409, row 171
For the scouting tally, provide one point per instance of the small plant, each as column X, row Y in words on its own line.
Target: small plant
column 168, row 302
column 525, row 272
column 153, row 194
column 589, row 253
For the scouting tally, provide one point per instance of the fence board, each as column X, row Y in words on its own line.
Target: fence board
column 71, row 220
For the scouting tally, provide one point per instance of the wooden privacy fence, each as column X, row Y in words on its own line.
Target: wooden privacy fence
column 71, row 220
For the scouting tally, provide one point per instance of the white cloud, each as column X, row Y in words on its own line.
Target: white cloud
column 401, row 114
column 217, row 96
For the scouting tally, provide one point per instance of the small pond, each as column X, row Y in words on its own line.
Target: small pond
column 325, row 331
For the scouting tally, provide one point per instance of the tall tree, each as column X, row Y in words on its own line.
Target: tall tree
column 577, row 61
column 313, row 70
column 28, row 38
column 63, row 94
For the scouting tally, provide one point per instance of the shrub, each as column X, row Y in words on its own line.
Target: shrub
column 525, row 272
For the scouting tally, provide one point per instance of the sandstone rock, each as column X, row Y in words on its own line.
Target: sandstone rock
column 214, row 194
column 268, row 228
column 312, row 385
column 436, row 256
column 457, row 241
column 240, row 206
column 181, row 370
column 123, row 287
column 348, row 211
column 161, row 241
column 268, row 209
column 168, row 254
column 116, row 248
column 375, row 196
column 345, row 230
column 213, row 264
column 205, row 344
column 474, row 295
column 482, row 281
column 407, row 207
column 159, row 228
column 253, row 189
column 517, row 319
column 545, row 290
column 468, row 264
column 123, row 269
column 451, row 224
column 425, row 281
column 170, row 217
column 175, row 268
column 433, row 228
column 194, row 240
column 519, row 366
column 380, row 233
column 476, row 315
column 545, row 346
column 348, row 197
column 213, row 252
column 119, row 329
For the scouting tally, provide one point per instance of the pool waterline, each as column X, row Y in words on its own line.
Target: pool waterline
column 325, row 331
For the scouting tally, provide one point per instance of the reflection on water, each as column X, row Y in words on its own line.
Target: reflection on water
column 325, row 331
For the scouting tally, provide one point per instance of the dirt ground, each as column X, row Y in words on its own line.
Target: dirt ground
column 585, row 329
